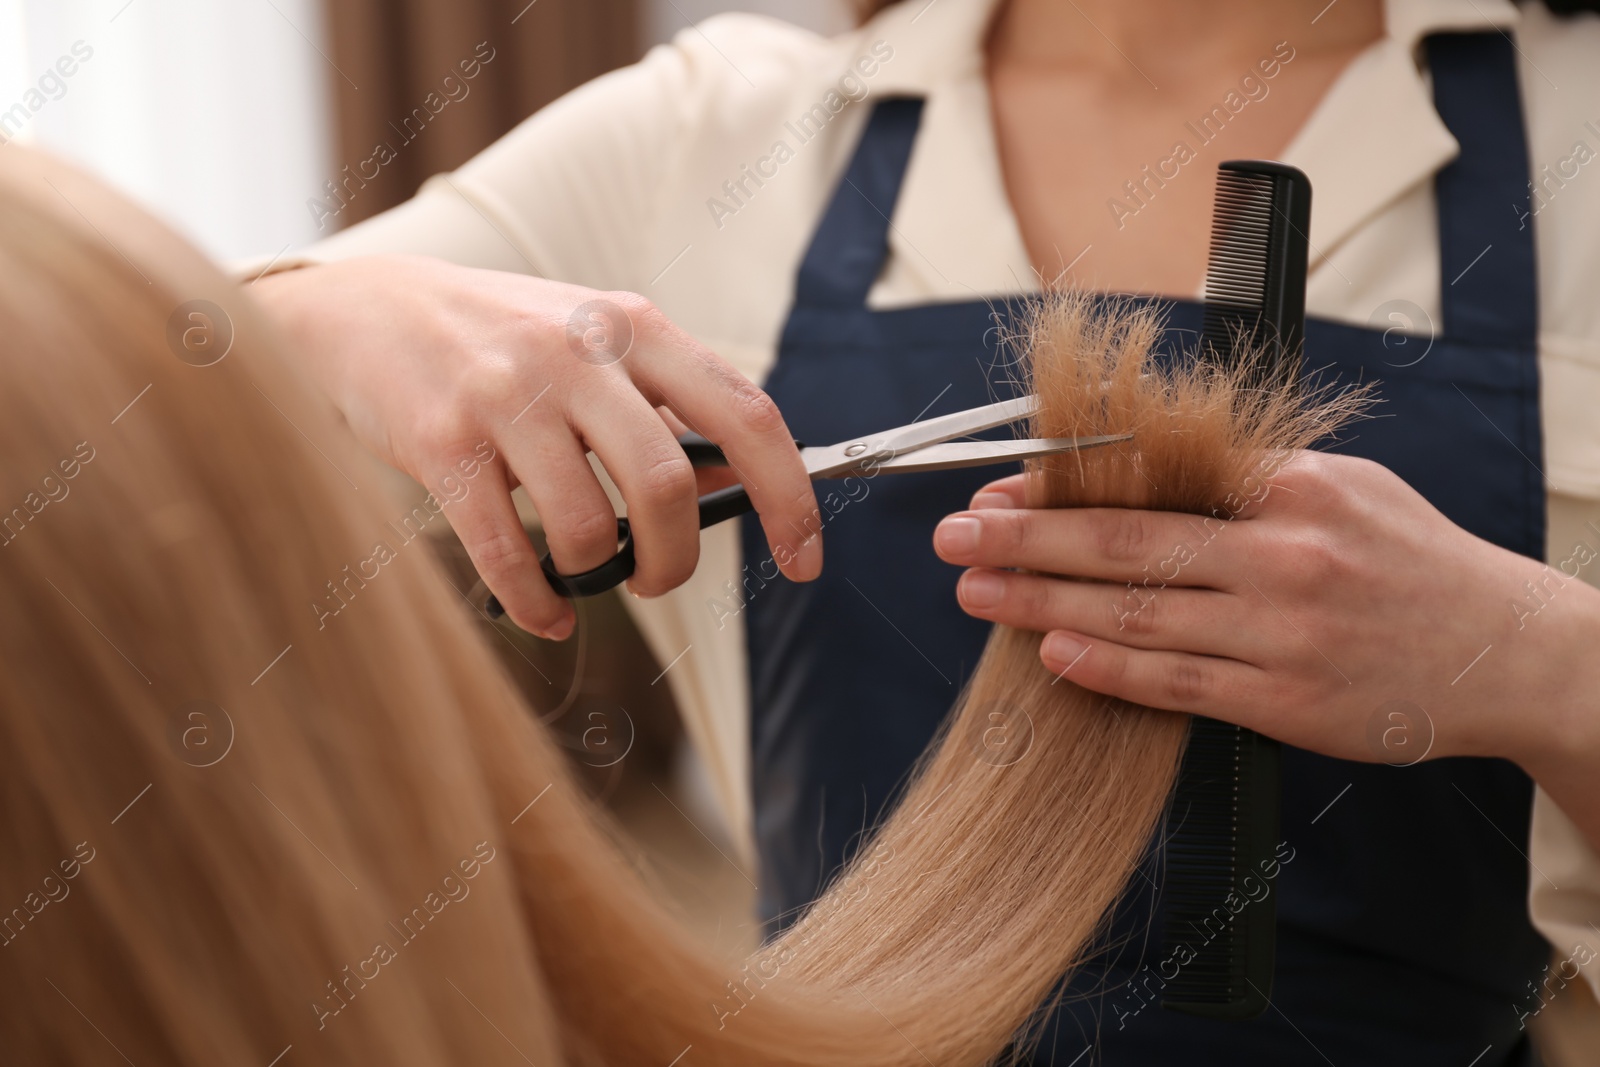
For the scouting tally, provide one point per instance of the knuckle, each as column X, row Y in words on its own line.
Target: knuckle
column 1316, row 562
column 1294, row 691
column 640, row 309
column 1139, row 619
column 666, row 476
column 1123, row 536
column 1319, row 483
column 443, row 431
column 1367, row 471
column 500, row 554
column 1011, row 532
column 494, row 384
column 1187, row 682
column 1029, row 596
column 1114, row 666
column 584, row 527
column 533, row 329
column 644, row 318
column 479, row 377
column 444, row 441
column 755, row 410
column 1303, row 471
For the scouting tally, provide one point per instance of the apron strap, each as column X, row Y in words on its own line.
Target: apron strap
column 852, row 240
column 1487, row 283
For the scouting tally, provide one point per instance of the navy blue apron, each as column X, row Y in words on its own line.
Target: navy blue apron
column 1404, row 936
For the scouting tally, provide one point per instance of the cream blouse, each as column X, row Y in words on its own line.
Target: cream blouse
column 697, row 176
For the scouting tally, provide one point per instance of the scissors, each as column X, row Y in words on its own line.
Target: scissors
column 928, row 445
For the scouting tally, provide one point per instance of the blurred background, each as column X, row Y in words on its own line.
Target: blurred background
column 227, row 118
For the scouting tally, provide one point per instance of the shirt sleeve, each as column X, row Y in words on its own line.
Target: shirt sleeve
column 1563, row 867
column 1564, row 888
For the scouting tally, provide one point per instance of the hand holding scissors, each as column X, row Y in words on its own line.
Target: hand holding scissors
column 929, row 445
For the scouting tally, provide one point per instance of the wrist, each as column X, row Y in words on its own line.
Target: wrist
column 292, row 299
column 1553, row 715
column 282, row 293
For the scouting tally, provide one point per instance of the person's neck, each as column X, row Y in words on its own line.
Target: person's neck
column 1172, row 34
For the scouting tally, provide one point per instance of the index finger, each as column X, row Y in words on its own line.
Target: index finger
column 1110, row 544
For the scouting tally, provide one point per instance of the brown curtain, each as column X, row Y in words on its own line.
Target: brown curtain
column 422, row 85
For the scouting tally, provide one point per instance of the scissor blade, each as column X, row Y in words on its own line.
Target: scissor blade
column 831, row 461
column 958, row 424
column 954, row 454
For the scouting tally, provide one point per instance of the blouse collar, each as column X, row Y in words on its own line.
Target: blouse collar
column 1371, row 140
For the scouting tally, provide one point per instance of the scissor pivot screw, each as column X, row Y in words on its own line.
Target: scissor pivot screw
column 856, row 449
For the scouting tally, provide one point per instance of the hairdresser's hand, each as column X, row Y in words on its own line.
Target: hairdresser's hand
column 436, row 366
column 1336, row 591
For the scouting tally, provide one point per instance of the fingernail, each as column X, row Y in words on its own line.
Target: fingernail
column 561, row 630
column 991, row 500
column 981, row 589
column 1062, row 651
column 957, row 536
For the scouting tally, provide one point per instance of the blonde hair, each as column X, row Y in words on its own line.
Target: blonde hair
column 388, row 862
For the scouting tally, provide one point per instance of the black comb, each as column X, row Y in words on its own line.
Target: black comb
column 1223, row 826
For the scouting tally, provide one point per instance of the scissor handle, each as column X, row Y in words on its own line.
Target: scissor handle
column 720, row 506
column 715, row 507
column 724, row 504
column 610, row 574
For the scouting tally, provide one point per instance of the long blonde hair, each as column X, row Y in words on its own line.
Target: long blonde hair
column 380, row 857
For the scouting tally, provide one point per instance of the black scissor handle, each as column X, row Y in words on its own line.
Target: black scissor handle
column 720, row 506
column 724, row 504
column 715, row 507
column 610, row 574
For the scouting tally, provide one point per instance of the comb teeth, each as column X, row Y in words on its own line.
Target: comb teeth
column 1254, row 304
column 1241, row 238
